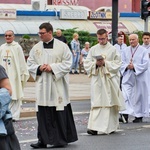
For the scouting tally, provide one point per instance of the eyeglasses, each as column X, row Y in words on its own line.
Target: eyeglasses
column 8, row 35
column 41, row 33
column 101, row 39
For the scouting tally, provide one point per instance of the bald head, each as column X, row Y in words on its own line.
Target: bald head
column 133, row 40
column 58, row 32
column 133, row 36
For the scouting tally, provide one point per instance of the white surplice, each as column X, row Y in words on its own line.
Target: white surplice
column 120, row 48
column 51, row 88
column 106, row 97
column 134, row 82
column 148, row 72
column 13, row 60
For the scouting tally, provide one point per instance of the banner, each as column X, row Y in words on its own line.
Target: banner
column 66, row 2
column 7, row 13
column 100, row 15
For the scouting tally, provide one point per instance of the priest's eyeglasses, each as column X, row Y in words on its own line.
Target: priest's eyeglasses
column 41, row 33
column 8, row 35
column 101, row 39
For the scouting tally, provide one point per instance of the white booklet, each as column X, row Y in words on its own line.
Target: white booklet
column 99, row 57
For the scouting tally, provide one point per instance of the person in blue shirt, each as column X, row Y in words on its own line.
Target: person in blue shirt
column 75, row 49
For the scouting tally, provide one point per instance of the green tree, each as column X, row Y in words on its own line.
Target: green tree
column 84, row 36
column 139, row 33
column 26, row 42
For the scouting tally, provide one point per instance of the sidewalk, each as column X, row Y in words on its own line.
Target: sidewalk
column 79, row 89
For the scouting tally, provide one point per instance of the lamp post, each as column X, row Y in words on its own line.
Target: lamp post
column 114, row 21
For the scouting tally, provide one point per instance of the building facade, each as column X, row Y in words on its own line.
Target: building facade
column 123, row 5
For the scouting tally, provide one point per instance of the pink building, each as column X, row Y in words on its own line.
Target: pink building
column 124, row 5
column 15, row 1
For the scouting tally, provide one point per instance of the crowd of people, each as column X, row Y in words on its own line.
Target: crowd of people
column 119, row 84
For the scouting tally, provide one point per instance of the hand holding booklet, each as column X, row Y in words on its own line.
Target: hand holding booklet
column 98, row 57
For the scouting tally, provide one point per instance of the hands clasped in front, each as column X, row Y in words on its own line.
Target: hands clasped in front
column 100, row 62
column 130, row 66
column 45, row 68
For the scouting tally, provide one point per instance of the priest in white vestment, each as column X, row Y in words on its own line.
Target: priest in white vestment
column 134, row 84
column 13, row 60
column 49, row 63
column 146, row 44
column 102, row 65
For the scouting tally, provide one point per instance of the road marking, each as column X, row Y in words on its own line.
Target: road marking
column 74, row 113
column 146, row 126
column 28, row 141
column 81, row 113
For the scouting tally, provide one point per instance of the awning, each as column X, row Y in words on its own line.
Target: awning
column 32, row 26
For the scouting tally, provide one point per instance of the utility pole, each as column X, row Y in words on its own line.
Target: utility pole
column 114, row 21
column 146, row 25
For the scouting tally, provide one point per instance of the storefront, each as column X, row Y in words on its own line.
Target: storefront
column 27, row 22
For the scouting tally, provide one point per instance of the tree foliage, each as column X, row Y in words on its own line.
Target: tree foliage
column 84, row 36
column 139, row 33
column 26, row 42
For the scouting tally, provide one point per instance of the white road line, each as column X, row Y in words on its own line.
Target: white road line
column 146, row 126
column 28, row 141
column 74, row 113
column 81, row 113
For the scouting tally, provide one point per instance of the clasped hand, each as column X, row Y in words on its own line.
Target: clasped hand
column 45, row 68
column 100, row 62
column 130, row 66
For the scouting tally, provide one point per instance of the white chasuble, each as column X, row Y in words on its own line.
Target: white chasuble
column 105, row 91
column 51, row 88
column 13, row 60
column 106, row 97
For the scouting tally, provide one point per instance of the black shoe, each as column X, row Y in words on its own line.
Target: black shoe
column 76, row 72
column 123, row 118
column 38, row 145
column 71, row 72
column 92, row 132
column 138, row 120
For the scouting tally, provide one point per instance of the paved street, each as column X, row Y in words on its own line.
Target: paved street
column 131, row 136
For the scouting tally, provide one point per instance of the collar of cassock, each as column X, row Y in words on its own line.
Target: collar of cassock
column 146, row 46
column 48, row 44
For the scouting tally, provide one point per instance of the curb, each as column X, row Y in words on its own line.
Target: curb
column 73, row 98
column 28, row 112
